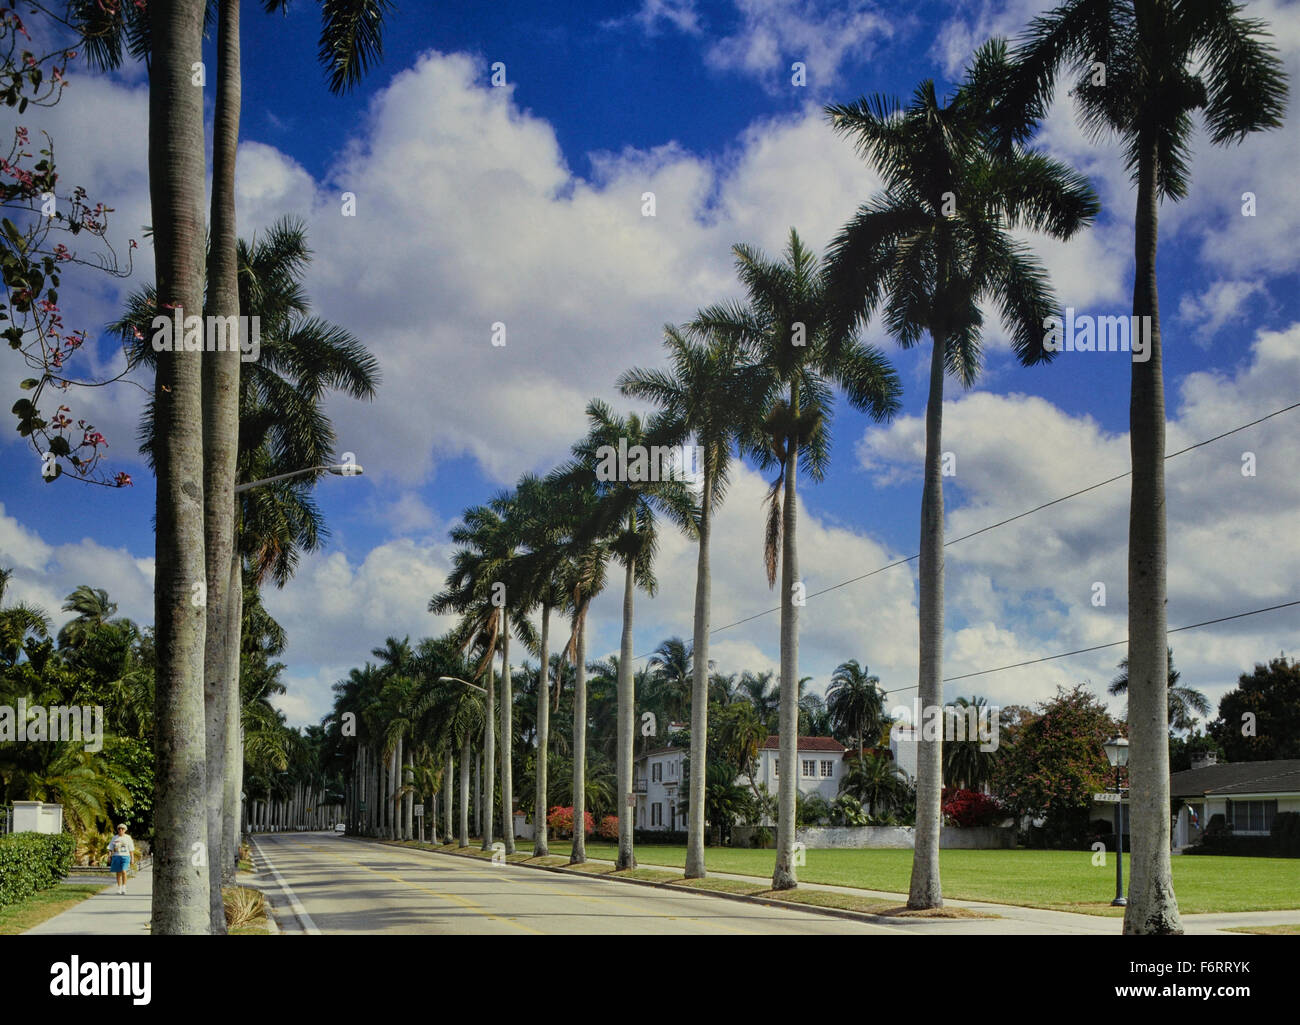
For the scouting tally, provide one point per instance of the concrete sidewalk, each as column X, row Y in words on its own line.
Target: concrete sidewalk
column 108, row 913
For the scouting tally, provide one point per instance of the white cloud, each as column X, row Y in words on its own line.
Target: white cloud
column 1216, row 306
column 1025, row 590
column 773, row 34
column 45, row 574
column 680, row 14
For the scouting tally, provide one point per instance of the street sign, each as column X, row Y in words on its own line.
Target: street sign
column 419, row 811
column 1107, row 798
column 631, row 800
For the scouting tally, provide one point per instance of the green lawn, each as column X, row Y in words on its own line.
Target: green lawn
column 1060, row 880
column 29, row 913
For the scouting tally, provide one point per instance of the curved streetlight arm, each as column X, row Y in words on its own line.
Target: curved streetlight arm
column 457, row 679
column 338, row 469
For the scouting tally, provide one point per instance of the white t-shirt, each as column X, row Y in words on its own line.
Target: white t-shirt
column 121, row 845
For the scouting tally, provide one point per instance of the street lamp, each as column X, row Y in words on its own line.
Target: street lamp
column 338, row 469
column 1117, row 754
column 457, row 679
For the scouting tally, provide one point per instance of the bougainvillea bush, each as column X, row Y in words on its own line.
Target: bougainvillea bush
column 560, row 821
column 609, row 827
column 971, row 808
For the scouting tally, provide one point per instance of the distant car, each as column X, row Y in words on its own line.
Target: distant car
column 340, row 828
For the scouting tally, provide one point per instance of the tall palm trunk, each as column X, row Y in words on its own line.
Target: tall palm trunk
column 578, row 856
column 478, row 792
column 220, row 448
column 700, row 683
column 234, row 734
column 489, row 755
column 626, row 701
column 176, row 186
column 541, row 847
column 465, row 764
column 1152, row 907
column 448, row 781
column 507, row 737
column 784, row 876
column 925, row 891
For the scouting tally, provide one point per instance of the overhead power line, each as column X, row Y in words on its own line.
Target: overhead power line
column 1012, row 519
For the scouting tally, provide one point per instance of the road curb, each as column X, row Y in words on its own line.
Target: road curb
column 816, row 909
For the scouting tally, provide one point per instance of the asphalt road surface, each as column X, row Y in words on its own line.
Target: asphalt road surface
column 332, row 885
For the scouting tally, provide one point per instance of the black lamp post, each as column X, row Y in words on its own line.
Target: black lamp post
column 1117, row 754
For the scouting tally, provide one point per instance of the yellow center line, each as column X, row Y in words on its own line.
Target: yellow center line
column 468, row 873
column 451, row 897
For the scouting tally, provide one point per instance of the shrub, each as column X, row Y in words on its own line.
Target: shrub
column 1286, row 834
column 30, row 862
column 243, row 905
column 608, row 827
column 92, row 849
column 669, row 837
column 560, row 821
column 970, row 808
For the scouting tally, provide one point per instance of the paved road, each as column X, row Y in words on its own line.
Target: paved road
column 338, row 885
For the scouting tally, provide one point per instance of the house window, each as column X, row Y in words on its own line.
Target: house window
column 776, row 766
column 657, row 772
column 1252, row 816
column 656, row 814
column 828, row 770
column 809, row 767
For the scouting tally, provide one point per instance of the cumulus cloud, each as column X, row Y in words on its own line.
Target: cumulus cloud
column 44, row 574
column 1027, row 589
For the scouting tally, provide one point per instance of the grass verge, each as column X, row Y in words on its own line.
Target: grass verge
column 29, row 913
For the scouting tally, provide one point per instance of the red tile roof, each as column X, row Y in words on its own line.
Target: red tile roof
column 773, row 743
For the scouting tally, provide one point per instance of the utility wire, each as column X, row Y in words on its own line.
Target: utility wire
column 1012, row 519
column 1099, row 647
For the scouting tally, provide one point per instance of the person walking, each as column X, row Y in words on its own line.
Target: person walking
column 121, row 851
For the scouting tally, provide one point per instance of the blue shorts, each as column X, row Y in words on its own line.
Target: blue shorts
column 119, row 863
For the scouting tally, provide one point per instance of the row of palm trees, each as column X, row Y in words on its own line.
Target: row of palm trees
column 925, row 257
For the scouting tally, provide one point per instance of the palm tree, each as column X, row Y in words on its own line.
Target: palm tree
column 672, row 677
column 1185, row 703
column 625, row 514
column 934, row 245
column 786, row 329
column 965, row 761
column 283, row 428
column 539, row 526
column 18, row 622
column 706, row 394
column 875, row 780
column 1161, row 63
column 474, row 590
column 856, row 703
column 176, row 192
column 585, row 561
column 757, row 689
column 93, row 610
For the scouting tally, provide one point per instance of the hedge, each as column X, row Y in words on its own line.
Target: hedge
column 32, row 861
column 1282, row 842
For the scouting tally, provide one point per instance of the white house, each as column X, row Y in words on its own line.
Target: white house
column 659, row 778
column 1247, row 794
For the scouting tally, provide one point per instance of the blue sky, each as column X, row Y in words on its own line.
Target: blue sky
column 522, row 205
